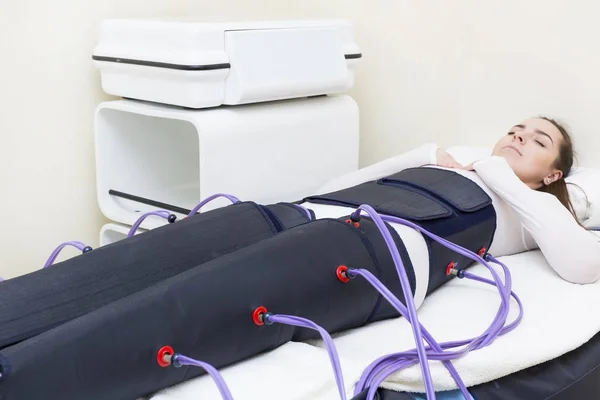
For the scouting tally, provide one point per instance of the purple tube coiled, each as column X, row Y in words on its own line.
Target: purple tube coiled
column 504, row 294
column 377, row 372
column 373, row 370
column 412, row 312
column 386, row 365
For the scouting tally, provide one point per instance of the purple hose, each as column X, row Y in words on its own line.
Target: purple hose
column 82, row 247
column 179, row 360
column 160, row 213
column 172, row 217
column 388, row 364
column 412, row 312
column 207, row 200
column 403, row 312
column 305, row 323
column 504, row 294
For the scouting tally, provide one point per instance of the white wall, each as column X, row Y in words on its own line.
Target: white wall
column 454, row 72
column 464, row 71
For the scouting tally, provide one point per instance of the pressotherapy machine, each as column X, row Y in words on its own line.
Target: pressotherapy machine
column 209, row 258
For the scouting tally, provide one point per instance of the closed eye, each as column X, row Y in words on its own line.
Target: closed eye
column 537, row 141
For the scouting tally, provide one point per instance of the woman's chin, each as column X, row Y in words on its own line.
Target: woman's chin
column 509, row 154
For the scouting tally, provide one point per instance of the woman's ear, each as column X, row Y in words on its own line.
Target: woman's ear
column 553, row 177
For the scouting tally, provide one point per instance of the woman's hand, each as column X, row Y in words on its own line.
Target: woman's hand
column 470, row 167
column 444, row 159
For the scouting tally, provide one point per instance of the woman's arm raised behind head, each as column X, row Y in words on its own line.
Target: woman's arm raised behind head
column 571, row 250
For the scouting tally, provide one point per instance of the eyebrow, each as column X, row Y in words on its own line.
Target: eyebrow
column 537, row 131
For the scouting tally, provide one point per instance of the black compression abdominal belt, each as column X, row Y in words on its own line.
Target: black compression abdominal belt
column 194, row 285
column 442, row 202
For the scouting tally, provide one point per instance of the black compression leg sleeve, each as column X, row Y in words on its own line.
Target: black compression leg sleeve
column 33, row 303
column 206, row 313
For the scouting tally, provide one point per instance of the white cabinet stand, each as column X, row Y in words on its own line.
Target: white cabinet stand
column 173, row 158
column 254, row 110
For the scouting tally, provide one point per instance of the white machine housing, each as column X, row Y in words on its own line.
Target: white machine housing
column 114, row 232
column 267, row 153
column 204, row 64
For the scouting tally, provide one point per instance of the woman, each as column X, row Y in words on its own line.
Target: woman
column 525, row 177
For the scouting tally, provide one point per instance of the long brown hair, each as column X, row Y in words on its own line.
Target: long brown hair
column 564, row 162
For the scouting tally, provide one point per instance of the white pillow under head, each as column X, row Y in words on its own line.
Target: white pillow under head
column 584, row 191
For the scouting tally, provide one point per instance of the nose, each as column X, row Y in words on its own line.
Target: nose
column 519, row 136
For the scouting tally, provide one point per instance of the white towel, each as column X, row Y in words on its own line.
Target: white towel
column 294, row 371
column 558, row 317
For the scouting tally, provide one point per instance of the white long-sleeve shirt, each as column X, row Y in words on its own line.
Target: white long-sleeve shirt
column 526, row 219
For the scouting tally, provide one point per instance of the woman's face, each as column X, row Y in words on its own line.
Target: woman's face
column 531, row 149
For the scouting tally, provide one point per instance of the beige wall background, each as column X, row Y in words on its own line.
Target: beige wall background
column 453, row 72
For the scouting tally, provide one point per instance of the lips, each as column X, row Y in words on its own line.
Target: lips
column 513, row 148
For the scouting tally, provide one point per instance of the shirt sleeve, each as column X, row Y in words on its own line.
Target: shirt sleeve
column 417, row 157
column 571, row 250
